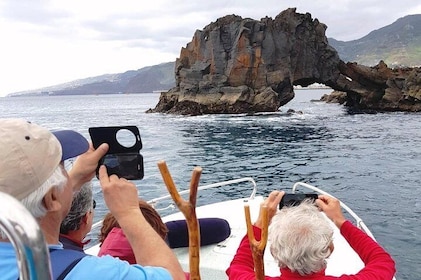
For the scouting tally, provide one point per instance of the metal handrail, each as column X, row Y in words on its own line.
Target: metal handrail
column 205, row 187
column 359, row 222
column 24, row 233
column 210, row 186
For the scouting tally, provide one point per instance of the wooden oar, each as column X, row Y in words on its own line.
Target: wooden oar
column 188, row 208
column 257, row 247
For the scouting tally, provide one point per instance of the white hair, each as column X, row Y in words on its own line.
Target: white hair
column 300, row 238
column 34, row 202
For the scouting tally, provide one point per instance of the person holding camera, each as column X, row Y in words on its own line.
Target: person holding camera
column 301, row 241
column 32, row 171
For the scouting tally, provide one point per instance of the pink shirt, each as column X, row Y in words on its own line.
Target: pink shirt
column 117, row 245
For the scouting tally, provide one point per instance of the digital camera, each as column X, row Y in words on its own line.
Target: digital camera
column 121, row 159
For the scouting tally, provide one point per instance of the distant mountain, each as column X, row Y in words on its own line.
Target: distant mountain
column 147, row 79
column 397, row 44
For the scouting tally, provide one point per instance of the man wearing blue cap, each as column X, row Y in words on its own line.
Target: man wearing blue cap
column 32, row 171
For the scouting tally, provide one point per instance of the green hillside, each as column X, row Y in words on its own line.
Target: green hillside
column 397, row 44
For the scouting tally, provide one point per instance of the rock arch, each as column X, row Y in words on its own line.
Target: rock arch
column 237, row 65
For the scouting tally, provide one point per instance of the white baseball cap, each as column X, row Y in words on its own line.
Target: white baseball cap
column 29, row 154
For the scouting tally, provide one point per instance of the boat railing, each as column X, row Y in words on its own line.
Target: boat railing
column 359, row 222
column 22, row 230
column 210, row 186
column 155, row 201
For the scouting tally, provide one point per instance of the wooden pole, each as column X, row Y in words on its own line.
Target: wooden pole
column 188, row 208
column 257, row 247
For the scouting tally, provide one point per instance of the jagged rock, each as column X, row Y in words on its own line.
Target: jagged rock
column 292, row 111
column 334, row 97
column 237, row 65
column 380, row 88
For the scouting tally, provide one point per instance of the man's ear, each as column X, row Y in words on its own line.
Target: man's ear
column 85, row 217
column 51, row 201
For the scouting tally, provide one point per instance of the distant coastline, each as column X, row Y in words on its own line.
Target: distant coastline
column 312, row 87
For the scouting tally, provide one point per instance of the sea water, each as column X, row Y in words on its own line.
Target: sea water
column 370, row 161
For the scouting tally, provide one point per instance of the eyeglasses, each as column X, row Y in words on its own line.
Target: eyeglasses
column 93, row 204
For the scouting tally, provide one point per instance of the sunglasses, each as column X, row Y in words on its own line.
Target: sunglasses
column 93, row 204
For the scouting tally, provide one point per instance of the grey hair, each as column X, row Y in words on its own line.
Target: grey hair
column 34, row 202
column 81, row 204
column 300, row 238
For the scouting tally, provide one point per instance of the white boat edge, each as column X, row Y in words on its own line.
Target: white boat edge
column 215, row 258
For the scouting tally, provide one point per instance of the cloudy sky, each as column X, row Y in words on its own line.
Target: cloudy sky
column 44, row 43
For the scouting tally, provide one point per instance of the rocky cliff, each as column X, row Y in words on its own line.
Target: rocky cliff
column 379, row 88
column 237, row 65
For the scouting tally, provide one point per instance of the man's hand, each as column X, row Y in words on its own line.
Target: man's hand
column 120, row 195
column 332, row 208
column 84, row 167
column 149, row 248
column 272, row 204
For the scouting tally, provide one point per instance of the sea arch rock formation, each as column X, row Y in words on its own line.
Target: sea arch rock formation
column 237, row 65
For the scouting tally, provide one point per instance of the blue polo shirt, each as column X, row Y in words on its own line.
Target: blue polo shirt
column 103, row 268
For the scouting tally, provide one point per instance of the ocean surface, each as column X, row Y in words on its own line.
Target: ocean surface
column 370, row 161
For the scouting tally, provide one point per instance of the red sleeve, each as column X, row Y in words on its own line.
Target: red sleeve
column 242, row 266
column 378, row 263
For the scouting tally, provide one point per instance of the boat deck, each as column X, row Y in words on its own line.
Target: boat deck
column 215, row 259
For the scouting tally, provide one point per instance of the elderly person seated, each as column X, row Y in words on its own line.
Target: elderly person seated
column 32, row 171
column 301, row 242
column 78, row 222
